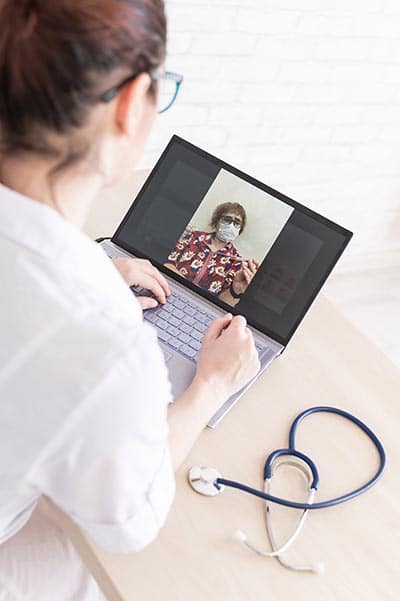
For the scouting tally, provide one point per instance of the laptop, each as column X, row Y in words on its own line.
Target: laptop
column 203, row 224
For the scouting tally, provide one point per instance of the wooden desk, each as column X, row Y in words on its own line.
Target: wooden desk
column 195, row 557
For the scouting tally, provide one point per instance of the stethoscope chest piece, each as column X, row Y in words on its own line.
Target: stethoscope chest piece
column 207, row 481
column 202, row 480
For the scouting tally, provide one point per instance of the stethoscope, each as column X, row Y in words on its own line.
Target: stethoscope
column 208, row 481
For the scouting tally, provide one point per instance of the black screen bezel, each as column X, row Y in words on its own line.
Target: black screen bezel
column 251, row 180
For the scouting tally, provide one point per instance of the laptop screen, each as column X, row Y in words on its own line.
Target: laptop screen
column 236, row 241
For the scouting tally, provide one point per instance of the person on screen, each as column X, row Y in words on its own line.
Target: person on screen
column 210, row 259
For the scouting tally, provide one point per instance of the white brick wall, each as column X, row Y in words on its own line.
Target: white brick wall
column 304, row 94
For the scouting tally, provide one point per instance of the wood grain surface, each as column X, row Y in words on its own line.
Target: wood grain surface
column 196, row 557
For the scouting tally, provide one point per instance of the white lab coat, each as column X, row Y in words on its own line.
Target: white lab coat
column 84, row 392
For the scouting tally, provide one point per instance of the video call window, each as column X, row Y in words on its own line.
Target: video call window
column 228, row 237
column 232, row 238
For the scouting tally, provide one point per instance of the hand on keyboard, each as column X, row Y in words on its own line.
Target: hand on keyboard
column 181, row 324
column 228, row 359
column 140, row 272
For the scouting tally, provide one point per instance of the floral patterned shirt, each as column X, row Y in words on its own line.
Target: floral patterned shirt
column 195, row 261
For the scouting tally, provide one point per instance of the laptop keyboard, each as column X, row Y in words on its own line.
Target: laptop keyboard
column 180, row 323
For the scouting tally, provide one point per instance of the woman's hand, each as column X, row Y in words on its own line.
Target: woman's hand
column 243, row 277
column 140, row 272
column 228, row 359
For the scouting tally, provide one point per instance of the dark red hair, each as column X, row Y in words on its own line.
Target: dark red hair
column 228, row 207
column 56, row 54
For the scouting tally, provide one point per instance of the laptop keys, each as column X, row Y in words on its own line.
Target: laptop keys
column 173, row 330
column 184, row 337
column 181, row 325
column 163, row 335
column 197, row 335
column 188, row 320
column 196, row 344
column 188, row 351
column 152, row 317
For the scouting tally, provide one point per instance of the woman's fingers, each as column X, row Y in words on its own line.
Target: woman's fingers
column 146, row 302
column 242, row 272
column 248, row 274
column 239, row 321
column 239, row 275
column 217, row 326
column 140, row 272
column 254, row 265
column 149, row 282
column 238, row 327
column 157, row 275
column 161, row 280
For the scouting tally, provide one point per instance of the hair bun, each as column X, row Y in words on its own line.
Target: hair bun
column 23, row 7
column 24, row 16
column 56, row 56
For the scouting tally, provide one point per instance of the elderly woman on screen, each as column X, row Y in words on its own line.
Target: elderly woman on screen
column 210, row 259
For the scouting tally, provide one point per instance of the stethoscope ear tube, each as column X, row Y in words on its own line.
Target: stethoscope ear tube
column 208, row 481
column 292, row 451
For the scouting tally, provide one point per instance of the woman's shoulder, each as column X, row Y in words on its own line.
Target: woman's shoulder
column 198, row 235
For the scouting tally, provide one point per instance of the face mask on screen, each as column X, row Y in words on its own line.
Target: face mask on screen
column 227, row 232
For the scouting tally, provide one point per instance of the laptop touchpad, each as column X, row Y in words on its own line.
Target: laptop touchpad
column 167, row 355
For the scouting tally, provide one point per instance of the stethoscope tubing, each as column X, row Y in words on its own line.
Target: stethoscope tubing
column 292, row 450
column 276, row 550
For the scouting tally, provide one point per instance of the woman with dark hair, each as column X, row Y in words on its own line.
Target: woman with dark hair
column 85, row 408
column 210, row 259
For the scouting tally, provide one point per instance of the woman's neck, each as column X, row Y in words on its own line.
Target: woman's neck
column 216, row 243
column 70, row 193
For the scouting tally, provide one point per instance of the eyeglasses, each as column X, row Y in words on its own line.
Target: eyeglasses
column 227, row 219
column 168, row 88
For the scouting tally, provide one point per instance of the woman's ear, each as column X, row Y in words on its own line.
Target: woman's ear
column 127, row 121
column 132, row 102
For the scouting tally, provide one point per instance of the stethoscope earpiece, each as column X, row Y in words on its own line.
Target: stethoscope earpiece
column 318, row 568
column 207, row 481
column 240, row 536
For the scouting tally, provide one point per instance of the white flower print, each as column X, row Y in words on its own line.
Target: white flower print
column 189, row 254
column 196, row 264
column 215, row 287
column 220, row 270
